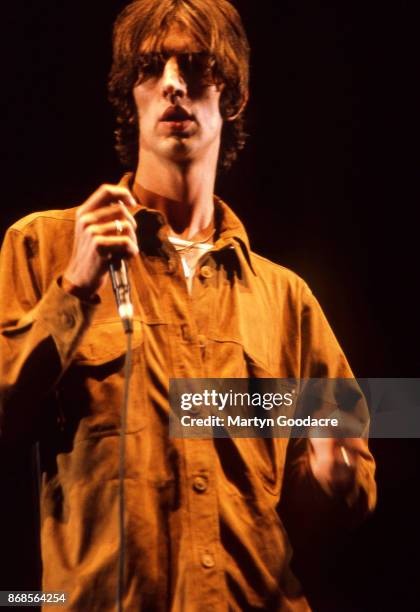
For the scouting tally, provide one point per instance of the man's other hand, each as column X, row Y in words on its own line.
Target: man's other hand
column 334, row 462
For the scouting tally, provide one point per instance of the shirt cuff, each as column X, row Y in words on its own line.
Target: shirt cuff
column 66, row 318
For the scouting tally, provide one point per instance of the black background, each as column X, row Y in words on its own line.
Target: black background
column 326, row 186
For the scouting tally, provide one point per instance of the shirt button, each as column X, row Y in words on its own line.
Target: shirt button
column 207, row 560
column 200, row 484
column 68, row 320
column 206, row 272
column 201, row 340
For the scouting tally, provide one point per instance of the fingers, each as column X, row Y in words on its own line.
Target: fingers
column 105, row 214
column 355, row 447
column 109, row 202
column 114, row 238
column 105, row 223
column 123, row 246
column 116, row 227
column 343, row 449
column 108, row 194
column 332, row 464
column 104, row 227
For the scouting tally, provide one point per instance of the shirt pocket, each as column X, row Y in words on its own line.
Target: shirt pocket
column 268, row 453
column 105, row 341
column 90, row 394
column 252, row 466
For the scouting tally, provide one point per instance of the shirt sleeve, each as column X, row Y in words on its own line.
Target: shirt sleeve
column 322, row 357
column 39, row 332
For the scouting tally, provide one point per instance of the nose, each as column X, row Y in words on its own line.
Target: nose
column 173, row 83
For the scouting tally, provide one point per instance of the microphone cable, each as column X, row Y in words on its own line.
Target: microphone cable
column 121, row 287
column 121, row 477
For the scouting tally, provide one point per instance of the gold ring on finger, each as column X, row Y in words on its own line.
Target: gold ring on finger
column 118, row 226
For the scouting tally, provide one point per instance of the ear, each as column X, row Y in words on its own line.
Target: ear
column 240, row 110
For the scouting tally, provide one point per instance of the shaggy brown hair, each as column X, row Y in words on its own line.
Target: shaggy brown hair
column 218, row 30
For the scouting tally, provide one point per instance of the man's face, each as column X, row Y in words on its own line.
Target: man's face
column 178, row 109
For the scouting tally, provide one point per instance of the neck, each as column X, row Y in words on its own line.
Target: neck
column 184, row 193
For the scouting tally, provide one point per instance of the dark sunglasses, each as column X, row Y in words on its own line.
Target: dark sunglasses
column 199, row 66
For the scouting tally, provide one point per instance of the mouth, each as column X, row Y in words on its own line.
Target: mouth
column 176, row 115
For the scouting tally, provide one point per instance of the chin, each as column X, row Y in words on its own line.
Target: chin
column 179, row 150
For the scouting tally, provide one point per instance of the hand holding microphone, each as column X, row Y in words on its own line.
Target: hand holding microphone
column 104, row 238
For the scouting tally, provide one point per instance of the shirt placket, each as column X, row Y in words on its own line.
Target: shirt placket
column 205, row 580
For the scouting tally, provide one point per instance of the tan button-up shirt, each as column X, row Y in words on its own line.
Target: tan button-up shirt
column 202, row 523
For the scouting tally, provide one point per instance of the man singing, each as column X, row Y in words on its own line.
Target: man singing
column 202, row 523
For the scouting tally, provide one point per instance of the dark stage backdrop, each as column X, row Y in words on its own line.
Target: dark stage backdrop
column 326, row 186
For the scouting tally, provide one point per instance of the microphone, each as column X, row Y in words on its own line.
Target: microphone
column 121, row 287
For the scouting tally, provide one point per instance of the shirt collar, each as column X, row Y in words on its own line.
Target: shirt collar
column 232, row 233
